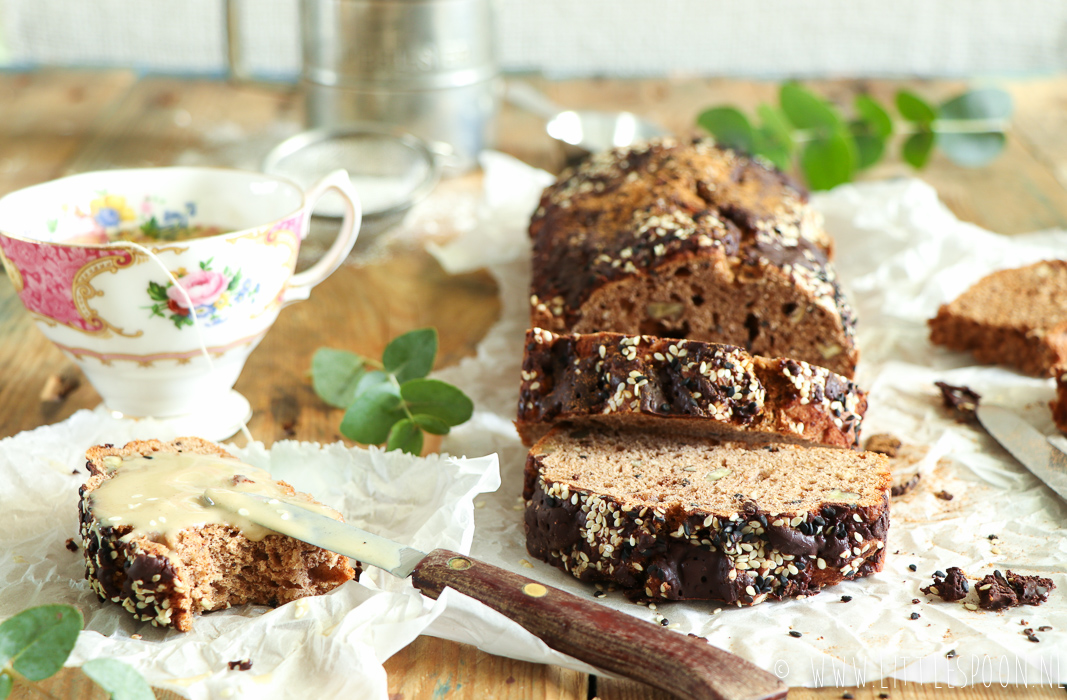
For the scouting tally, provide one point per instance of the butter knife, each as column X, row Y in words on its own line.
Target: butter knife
column 1027, row 445
column 583, row 629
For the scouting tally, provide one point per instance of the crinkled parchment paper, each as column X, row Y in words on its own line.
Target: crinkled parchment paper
column 899, row 251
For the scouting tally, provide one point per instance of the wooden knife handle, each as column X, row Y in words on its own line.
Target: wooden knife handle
column 600, row 636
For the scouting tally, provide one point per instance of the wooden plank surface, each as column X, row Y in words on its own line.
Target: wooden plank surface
column 65, row 121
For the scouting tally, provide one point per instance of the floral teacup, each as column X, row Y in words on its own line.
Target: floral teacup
column 160, row 282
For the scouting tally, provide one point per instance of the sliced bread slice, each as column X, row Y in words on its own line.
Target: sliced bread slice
column 683, row 517
column 153, row 547
column 684, row 386
column 1014, row 317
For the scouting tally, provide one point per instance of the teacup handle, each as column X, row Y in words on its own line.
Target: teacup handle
column 300, row 284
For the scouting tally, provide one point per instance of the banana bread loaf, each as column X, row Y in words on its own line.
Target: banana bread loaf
column 683, row 517
column 152, row 546
column 688, row 240
column 1014, row 317
column 688, row 386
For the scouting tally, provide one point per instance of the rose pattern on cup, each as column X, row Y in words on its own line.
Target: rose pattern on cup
column 207, row 293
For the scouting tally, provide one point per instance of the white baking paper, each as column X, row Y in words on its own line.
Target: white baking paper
column 900, row 252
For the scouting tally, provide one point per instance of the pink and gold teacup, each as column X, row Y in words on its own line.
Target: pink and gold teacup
column 160, row 282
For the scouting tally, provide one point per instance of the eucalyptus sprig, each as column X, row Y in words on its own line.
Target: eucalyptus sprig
column 832, row 148
column 36, row 643
column 390, row 401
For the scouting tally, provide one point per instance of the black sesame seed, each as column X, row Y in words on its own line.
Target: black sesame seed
column 818, row 521
column 794, row 633
column 664, row 622
column 991, row 537
column 847, row 696
column 951, row 654
column 763, row 521
column 829, row 511
column 841, row 532
column 805, row 528
column 883, row 696
column 912, row 567
column 915, row 616
column 966, row 586
column 939, row 574
column 846, row 598
column 1032, row 638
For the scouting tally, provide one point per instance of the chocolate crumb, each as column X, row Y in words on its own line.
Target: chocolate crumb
column 71, row 544
column 915, row 616
column 884, row 443
column 846, row 598
column 242, row 665
column 847, row 696
column 961, row 400
column 944, row 495
column 697, row 636
column 991, row 537
column 914, row 601
column 794, row 633
column 904, row 487
column 949, row 587
column 883, row 695
column 1044, row 628
column 75, row 471
column 996, row 592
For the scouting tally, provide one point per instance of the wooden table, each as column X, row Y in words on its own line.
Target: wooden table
column 57, row 122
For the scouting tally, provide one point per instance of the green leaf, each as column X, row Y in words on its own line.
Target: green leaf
column 405, row 436
column 914, row 108
column 6, row 684
column 121, row 680
column 335, row 374
column 874, row 116
column 987, row 103
column 774, row 138
column 729, row 127
column 372, row 414
column 371, row 380
column 234, row 281
column 431, row 424
column 917, row 149
column 806, row 110
column 439, row 399
column 974, row 149
column 411, row 355
column 37, row 641
column 157, row 292
column 828, row 162
column 869, row 145
column 971, row 150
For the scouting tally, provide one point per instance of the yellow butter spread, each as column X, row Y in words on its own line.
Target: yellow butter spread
column 162, row 494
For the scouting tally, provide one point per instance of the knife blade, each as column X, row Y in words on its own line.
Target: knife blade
column 583, row 629
column 1027, row 445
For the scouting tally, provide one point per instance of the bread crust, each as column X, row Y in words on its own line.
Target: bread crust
column 668, row 385
column 684, row 239
column 210, row 567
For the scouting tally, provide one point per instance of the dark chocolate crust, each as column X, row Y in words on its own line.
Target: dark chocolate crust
column 681, row 386
column 696, row 241
column 676, row 552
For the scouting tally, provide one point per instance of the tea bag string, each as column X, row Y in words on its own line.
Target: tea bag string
column 189, row 305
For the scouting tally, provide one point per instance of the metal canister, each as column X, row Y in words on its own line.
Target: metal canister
column 428, row 66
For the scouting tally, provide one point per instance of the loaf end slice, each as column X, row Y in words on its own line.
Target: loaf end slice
column 167, row 578
column 1014, row 317
column 683, row 239
column 681, row 386
column 680, row 517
